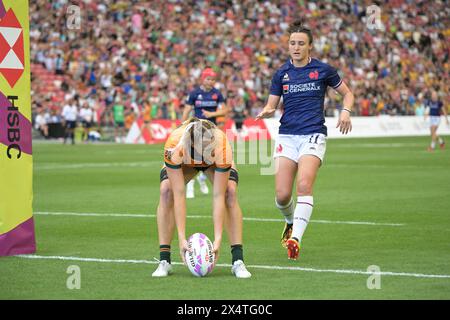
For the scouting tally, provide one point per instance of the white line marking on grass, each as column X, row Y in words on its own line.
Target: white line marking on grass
column 380, row 145
column 130, row 215
column 96, row 165
column 343, row 271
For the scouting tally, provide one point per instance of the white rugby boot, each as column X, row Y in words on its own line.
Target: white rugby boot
column 239, row 270
column 164, row 269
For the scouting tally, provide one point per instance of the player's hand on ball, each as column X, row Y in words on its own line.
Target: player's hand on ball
column 344, row 123
column 183, row 248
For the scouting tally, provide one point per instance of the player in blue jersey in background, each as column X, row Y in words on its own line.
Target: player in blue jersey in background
column 300, row 147
column 206, row 102
column 434, row 110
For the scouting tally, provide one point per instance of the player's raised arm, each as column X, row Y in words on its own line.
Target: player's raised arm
column 270, row 107
column 344, row 123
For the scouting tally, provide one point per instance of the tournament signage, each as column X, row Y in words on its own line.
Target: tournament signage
column 16, row 163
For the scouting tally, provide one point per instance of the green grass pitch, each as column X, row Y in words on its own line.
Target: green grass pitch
column 395, row 185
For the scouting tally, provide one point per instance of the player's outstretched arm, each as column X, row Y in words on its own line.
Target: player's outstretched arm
column 222, row 111
column 176, row 179
column 270, row 107
column 344, row 123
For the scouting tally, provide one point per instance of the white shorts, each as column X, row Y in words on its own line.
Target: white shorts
column 435, row 120
column 295, row 146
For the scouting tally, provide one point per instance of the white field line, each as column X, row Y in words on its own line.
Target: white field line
column 147, row 164
column 96, row 165
column 129, row 215
column 344, row 271
column 380, row 145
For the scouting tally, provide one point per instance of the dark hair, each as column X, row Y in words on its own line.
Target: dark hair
column 298, row 27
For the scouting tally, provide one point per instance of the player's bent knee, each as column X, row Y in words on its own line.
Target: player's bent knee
column 165, row 191
column 230, row 197
column 283, row 196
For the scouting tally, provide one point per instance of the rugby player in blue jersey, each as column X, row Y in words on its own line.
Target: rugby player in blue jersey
column 300, row 147
column 434, row 110
column 206, row 102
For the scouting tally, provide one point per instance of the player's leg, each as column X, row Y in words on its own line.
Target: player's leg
column 122, row 132
column 116, row 132
column 312, row 152
column 433, row 130
column 166, row 221
column 307, row 172
column 286, row 170
column 439, row 138
column 234, row 227
column 72, row 125
column 233, row 223
column 66, row 131
column 286, row 155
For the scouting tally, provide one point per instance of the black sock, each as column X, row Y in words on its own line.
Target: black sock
column 164, row 252
column 237, row 253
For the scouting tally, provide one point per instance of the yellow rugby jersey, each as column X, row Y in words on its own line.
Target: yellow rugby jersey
column 175, row 156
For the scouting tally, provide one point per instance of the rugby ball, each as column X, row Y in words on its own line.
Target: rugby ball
column 200, row 258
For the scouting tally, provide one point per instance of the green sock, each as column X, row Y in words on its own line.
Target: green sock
column 237, row 253
column 164, row 252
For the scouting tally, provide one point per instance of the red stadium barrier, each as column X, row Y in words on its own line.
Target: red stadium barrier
column 251, row 130
column 160, row 130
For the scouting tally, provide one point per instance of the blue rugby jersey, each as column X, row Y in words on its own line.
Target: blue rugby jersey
column 435, row 107
column 205, row 100
column 303, row 90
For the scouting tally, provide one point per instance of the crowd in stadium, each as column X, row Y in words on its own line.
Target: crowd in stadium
column 149, row 54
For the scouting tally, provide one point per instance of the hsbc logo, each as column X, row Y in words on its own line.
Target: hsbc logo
column 11, row 47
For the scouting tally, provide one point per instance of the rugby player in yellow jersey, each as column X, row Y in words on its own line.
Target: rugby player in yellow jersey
column 198, row 145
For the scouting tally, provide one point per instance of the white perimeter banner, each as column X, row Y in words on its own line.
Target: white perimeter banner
column 380, row 126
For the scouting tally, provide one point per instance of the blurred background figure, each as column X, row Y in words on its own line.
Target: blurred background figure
column 118, row 113
column 434, row 111
column 86, row 116
column 41, row 122
column 70, row 115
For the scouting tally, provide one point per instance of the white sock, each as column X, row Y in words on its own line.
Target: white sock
column 302, row 214
column 287, row 211
column 440, row 140
column 190, row 186
column 433, row 144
